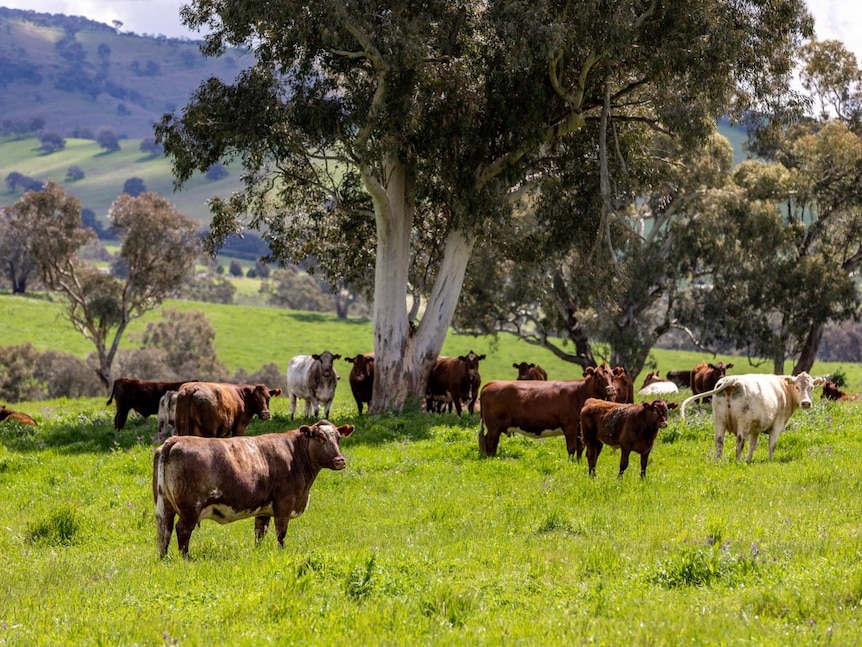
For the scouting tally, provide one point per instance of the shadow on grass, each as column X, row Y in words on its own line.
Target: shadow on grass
column 321, row 317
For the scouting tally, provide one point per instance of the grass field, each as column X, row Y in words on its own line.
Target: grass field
column 422, row 542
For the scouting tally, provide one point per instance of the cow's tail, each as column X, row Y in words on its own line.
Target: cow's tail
column 483, row 448
column 720, row 386
column 182, row 414
column 164, row 525
column 111, row 397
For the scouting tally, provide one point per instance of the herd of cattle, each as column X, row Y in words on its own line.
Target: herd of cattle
column 207, row 468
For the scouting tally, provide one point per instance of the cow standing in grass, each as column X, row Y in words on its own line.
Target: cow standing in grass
column 312, row 378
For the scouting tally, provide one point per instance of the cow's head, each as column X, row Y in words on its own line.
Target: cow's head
column 471, row 363
column 602, row 381
column 523, row 370
column 326, row 369
column 4, row 412
column 719, row 369
column 323, row 446
column 832, row 392
column 259, row 400
column 658, row 411
column 363, row 367
column 802, row 388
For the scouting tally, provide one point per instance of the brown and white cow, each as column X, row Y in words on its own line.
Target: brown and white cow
column 748, row 405
column 454, row 380
column 167, row 414
column 625, row 391
column 9, row 415
column 361, row 378
column 138, row 395
column 530, row 371
column 654, row 385
column 705, row 376
column 680, row 378
column 227, row 479
column 540, row 409
column 312, row 378
column 627, row 427
column 216, row 409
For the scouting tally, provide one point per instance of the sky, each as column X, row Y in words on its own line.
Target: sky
column 835, row 19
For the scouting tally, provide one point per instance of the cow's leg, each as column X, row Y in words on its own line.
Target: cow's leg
column 292, row 405
column 492, row 440
column 753, row 444
column 593, row 451
column 121, row 416
column 164, row 528
column 281, row 528
column 644, row 461
column 741, row 435
column 624, row 461
column 326, row 409
column 184, row 533
column 774, row 433
column 261, row 525
column 719, row 438
column 309, row 404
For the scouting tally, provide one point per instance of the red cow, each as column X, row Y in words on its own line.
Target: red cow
column 227, row 479
column 625, row 391
column 540, row 409
column 454, row 380
column 219, row 410
column 832, row 392
column 627, row 427
column 361, row 378
column 138, row 395
column 705, row 376
column 530, row 371
column 9, row 414
column 680, row 378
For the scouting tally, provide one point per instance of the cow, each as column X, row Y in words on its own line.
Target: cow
column 8, row 415
column 751, row 404
column 680, row 378
column 361, row 378
column 530, row 371
column 705, row 376
column 654, row 385
column 627, row 427
column 137, row 395
column 216, row 409
column 227, row 479
column 540, row 409
column 832, row 392
column 454, row 380
column 312, row 378
column 167, row 414
column 625, row 393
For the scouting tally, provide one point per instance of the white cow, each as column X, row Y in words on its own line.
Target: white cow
column 167, row 414
column 750, row 404
column 313, row 379
column 655, row 385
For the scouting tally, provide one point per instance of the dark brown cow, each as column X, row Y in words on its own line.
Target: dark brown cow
column 17, row 416
column 215, row 409
column 627, row 427
column 625, row 390
column 530, row 371
column 832, row 392
column 680, row 378
column 454, row 380
column 361, row 378
column 705, row 376
column 138, row 395
column 227, row 479
column 540, row 409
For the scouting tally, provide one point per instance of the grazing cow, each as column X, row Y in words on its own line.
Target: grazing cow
column 227, row 479
column 530, row 371
column 748, row 405
column 680, row 378
column 219, row 410
column 625, row 392
column 540, row 409
column 361, row 378
column 454, row 380
column 705, row 376
column 17, row 416
column 138, row 395
column 312, row 378
column 627, row 427
column 167, row 414
column 655, row 385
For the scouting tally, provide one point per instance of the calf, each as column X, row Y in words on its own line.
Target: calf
column 623, row 385
column 227, row 479
column 530, row 371
column 540, row 409
column 16, row 416
column 832, row 392
column 654, row 385
column 312, row 378
column 361, row 378
column 454, row 380
column 748, row 405
column 627, row 427
column 167, row 414
column 219, row 410
column 138, row 395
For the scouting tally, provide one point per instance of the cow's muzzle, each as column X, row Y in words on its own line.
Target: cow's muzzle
column 265, row 415
column 339, row 463
column 805, row 404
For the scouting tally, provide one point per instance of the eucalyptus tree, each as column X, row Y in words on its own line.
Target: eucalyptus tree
column 158, row 246
column 439, row 113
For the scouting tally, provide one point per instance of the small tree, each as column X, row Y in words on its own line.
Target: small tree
column 235, row 268
column 134, row 186
column 74, row 173
column 188, row 339
column 15, row 257
column 51, row 142
column 158, row 243
column 107, row 139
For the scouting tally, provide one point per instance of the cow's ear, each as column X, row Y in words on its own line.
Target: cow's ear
column 729, row 365
column 274, row 393
column 819, row 381
column 315, row 357
column 306, row 431
column 515, row 365
column 482, row 356
column 461, row 358
column 349, row 359
column 672, row 405
column 346, row 430
column 336, row 356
